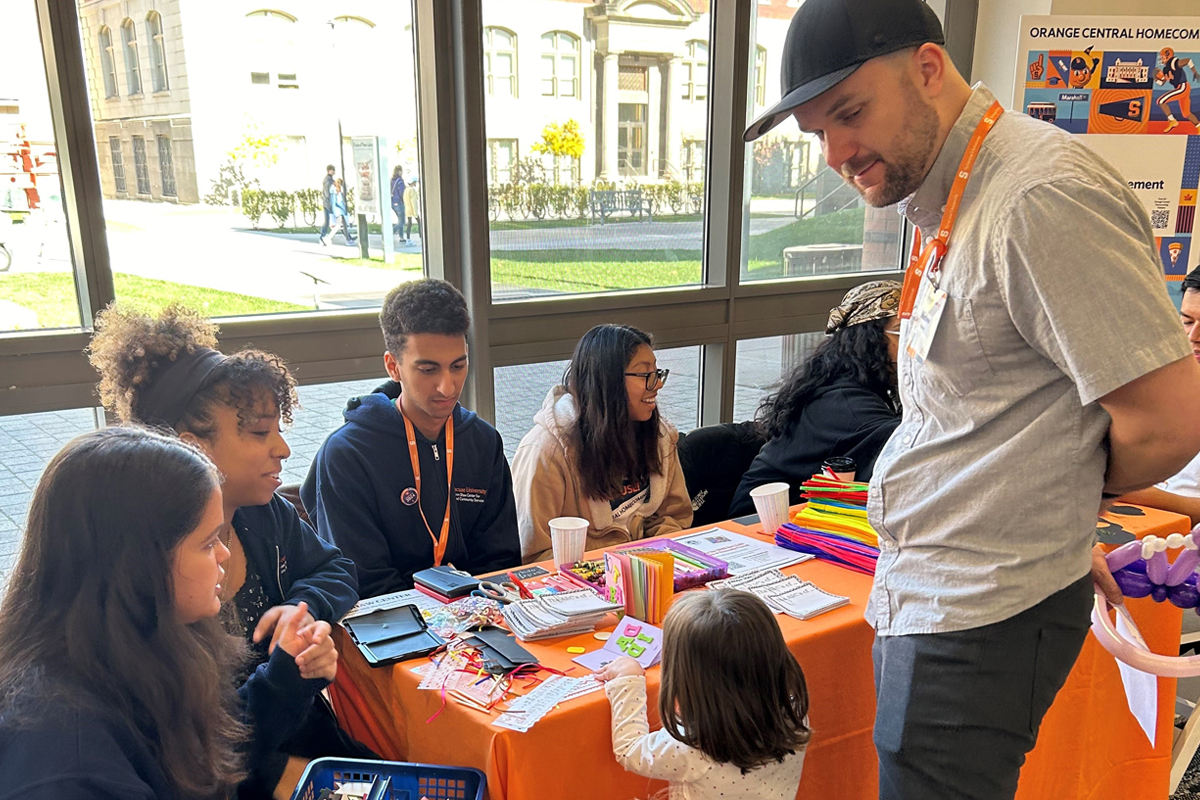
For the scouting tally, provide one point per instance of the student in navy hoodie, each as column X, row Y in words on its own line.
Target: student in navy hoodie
column 363, row 488
column 165, row 370
column 116, row 678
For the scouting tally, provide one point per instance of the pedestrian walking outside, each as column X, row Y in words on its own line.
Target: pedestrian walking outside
column 340, row 214
column 326, row 201
column 398, row 186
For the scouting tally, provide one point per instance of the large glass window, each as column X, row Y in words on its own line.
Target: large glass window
column 27, row 443
column 166, row 166
column 133, row 68
column 158, row 52
column 763, row 363
column 118, row 163
column 521, row 390
column 500, row 62
column 560, row 64
column 606, row 191
column 803, row 219
column 695, row 71
column 213, row 191
column 108, row 65
column 37, row 280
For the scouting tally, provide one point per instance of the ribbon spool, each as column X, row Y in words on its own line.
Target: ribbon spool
column 1142, row 569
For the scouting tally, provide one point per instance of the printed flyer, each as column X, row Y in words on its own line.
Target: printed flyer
column 1128, row 87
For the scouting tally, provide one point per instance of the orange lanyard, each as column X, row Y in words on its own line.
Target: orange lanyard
column 931, row 259
column 439, row 543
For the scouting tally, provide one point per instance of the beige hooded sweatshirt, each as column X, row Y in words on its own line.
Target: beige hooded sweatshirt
column 546, row 486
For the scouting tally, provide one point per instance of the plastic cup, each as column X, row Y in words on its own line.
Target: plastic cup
column 568, row 537
column 771, row 503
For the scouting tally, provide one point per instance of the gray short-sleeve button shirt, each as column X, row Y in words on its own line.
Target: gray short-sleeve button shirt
column 985, row 498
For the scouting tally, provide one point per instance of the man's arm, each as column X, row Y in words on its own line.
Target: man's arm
column 1154, row 497
column 1154, row 431
column 494, row 543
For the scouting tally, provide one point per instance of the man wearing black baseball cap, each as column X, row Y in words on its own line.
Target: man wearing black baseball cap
column 1019, row 410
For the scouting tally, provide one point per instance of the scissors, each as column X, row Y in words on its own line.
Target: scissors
column 502, row 591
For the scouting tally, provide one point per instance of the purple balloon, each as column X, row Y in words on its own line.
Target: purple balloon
column 1184, row 565
column 1158, row 592
column 1123, row 556
column 1157, row 567
column 1133, row 581
column 1184, row 596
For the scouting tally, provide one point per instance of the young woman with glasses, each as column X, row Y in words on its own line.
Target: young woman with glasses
column 600, row 450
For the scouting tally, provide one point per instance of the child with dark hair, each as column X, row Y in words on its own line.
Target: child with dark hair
column 600, row 450
column 166, row 371
column 413, row 480
column 735, row 717
column 116, row 678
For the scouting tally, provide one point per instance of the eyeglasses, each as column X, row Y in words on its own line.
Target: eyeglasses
column 656, row 378
column 891, row 333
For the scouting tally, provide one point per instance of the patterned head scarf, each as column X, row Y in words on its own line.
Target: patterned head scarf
column 874, row 300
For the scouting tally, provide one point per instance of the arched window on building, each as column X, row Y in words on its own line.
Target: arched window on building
column 158, row 52
column 695, row 71
column 133, row 68
column 108, row 64
column 760, row 76
column 500, row 62
column 560, row 64
column 271, row 49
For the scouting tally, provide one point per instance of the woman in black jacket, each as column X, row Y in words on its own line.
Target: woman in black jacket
column 843, row 401
column 116, row 678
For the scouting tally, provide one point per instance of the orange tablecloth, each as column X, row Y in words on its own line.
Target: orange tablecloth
column 1089, row 741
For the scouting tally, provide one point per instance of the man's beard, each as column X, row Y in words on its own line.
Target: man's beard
column 913, row 145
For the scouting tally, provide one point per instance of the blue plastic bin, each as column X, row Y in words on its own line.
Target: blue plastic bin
column 409, row 781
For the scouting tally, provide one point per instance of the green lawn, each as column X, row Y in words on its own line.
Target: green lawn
column 51, row 295
column 595, row 270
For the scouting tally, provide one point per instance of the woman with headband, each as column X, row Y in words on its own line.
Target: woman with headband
column 843, row 401
column 165, row 371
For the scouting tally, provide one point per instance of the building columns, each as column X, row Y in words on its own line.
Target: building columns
column 611, row 72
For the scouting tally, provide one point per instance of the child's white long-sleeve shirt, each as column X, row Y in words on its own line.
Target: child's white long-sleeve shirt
column 692, row 774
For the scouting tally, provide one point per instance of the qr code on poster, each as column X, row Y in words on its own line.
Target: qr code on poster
column 1158, row 219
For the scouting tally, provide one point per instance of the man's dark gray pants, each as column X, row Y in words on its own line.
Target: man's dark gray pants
column 957, row 712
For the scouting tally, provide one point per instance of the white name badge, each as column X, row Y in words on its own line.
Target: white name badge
column 927, row 313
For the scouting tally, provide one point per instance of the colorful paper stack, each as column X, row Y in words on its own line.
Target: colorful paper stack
column 692, row 567
column 833, row 525
column 643, row 581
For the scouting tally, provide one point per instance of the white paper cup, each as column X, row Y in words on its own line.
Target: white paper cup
column 771, row 503
column 568, row 537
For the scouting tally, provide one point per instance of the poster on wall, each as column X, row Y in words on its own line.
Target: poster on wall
column 1130, row 88
column 366, row 175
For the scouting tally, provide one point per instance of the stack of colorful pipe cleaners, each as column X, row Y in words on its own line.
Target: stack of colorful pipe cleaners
column 833, row 525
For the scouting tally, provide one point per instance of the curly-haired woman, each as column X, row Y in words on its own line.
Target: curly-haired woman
column 165, row 371
column 843, row 401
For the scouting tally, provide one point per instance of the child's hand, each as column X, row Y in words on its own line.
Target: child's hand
column 271, row 622
column 620, row 667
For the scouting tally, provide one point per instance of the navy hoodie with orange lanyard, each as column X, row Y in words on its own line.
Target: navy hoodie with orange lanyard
column 361, row 493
